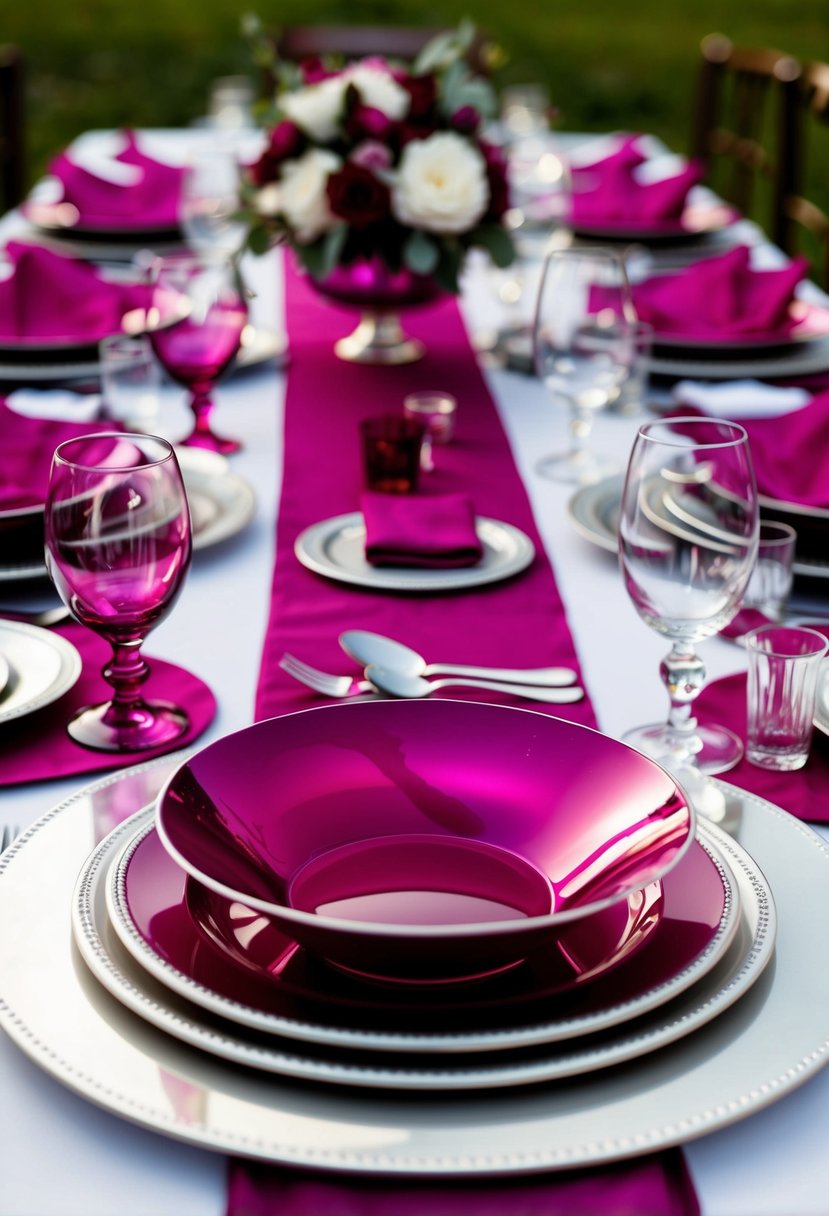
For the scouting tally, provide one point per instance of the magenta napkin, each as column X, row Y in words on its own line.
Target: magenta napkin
column 152, row 201
column 650, row 1186
column 804, row 793
column 609, row 191
column 435, row 531
column 51, row 298
column 720, row 297
column 36, row 747
column 787, row 452
column 26, row 448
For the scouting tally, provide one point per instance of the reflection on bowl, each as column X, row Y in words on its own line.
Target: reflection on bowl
column 427, row 840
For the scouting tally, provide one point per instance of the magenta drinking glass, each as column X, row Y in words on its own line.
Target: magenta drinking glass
column 117, row 549
column 199, row 314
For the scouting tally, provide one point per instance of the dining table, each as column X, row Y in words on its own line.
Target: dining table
column 63, row 1151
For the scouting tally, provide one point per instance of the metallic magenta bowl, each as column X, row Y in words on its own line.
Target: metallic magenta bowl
column 369, row 283
column 423, row 840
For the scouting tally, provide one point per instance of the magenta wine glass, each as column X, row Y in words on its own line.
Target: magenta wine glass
column 117, row 548
column 199, row 315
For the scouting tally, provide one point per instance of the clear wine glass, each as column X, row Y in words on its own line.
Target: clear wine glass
column 199, row 313
column 210, row 209
column 688, row 529
column 117, row 549
column 582, row 348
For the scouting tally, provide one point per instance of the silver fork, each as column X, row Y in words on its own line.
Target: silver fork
column 344, row 686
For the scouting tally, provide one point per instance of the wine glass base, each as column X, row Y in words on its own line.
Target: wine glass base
column 721, row 749
column 575, row 468
column 154, row 724
column 211, row 443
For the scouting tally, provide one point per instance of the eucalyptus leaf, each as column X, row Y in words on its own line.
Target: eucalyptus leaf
column 497, row 242
column 420, row 253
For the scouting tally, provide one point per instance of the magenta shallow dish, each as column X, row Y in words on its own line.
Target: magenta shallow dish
column 423, row 841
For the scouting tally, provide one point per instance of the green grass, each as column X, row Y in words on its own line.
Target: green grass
column 607, row 63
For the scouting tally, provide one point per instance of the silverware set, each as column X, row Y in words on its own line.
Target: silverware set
column 392, row 669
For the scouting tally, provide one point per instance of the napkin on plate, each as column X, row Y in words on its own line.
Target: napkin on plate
column 151, row 200
column 610, row 191
column 721, row 297
column 789, row 453
column 435, row 531
column 50, row 298
column 26, row 448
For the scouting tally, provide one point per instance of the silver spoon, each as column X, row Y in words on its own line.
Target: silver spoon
column 368, row 648
column 396, row 684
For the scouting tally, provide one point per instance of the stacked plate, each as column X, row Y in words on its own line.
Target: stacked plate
column 422, row 896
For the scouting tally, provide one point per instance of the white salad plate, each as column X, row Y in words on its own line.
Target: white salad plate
column 335, row 548
column 42, row 667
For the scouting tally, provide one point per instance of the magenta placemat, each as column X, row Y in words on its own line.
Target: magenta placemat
column 520, row 622
column 804, row 793
column 37, row 748
column 650, row 1186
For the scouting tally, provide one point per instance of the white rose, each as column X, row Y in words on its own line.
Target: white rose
column 268, row 200
column 380, row 90
column 316, row 108
column 304, row 201
column 441, row 184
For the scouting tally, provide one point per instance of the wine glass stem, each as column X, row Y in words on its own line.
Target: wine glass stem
column 127, row 672
column 683, row 674
column 201, row 404
column 580, row 426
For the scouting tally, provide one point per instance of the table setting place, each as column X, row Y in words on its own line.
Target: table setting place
column 366, row 890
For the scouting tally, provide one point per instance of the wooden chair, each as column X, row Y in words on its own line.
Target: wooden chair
column 745, row 129
column 297, row 42
column 808, row 215
column 12, row 157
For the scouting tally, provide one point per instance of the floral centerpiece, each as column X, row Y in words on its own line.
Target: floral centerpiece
column 377, row 161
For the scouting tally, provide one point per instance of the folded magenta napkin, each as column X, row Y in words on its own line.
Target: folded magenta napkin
column 788, row 452
column 51, row 298
column 610, row 191
column 26, row 448
column 658, row 1185
column 432, row 531
column 720, row 297
column 150, row 201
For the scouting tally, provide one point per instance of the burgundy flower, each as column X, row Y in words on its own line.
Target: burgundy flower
column 466, row 120
column 357, row 196
column 496, row 171
column 372, row 155
column 285, row 142
column 314, row 70
column 423, row 93
column 366, row 122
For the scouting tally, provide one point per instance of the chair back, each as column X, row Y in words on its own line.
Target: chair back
column 807, row 204
column 12, row 152
column 745, row 129
column 298, row 42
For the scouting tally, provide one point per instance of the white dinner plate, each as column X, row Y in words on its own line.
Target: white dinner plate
column 133, row 986
column 42, row 667
column 770, row 1042
column 221, row 502
column 338, row 1031
column 335, row 548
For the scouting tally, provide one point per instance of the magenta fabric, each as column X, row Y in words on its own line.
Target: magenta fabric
column 720, row 297
column 37, row 748
column 608, row 192
column 432, row 531
column 50, row 298
column 658, row 1185
column 786, row 452
column 518, row 622
column 26, row 448
column 805, row 793
column 150, row 202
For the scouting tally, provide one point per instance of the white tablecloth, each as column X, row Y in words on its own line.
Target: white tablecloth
column 61, row 1156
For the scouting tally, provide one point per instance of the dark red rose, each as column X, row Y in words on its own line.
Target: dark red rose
column 366, row 122
column 423, row 93
column 466, row 120
column 357, row 196
column 285, row 142
column 496, row 172
column 314, row 70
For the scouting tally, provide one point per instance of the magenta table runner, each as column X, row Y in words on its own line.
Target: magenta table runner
column 37, row 748
column 520, row 622
column 517, row 623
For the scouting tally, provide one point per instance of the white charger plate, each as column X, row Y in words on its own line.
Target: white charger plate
column 335, row 548
column 42, row 667
column 763, row 1048
column 801, row 359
